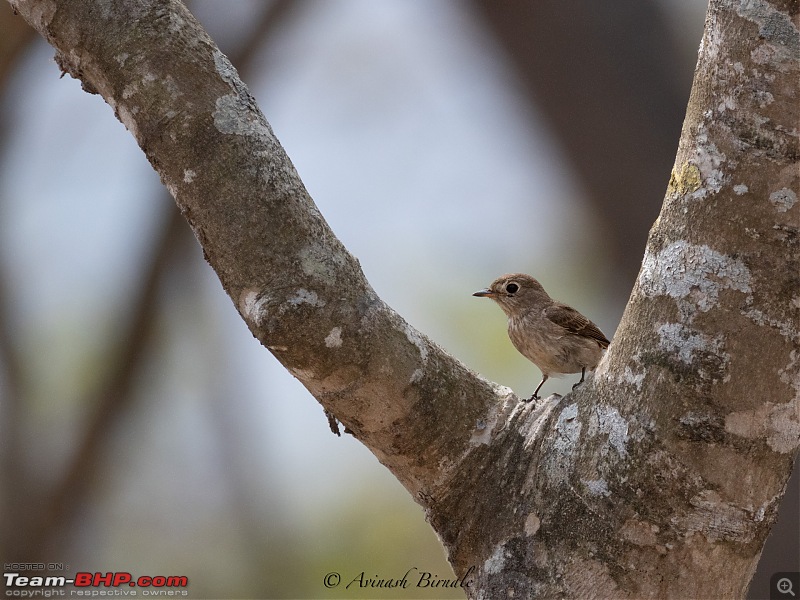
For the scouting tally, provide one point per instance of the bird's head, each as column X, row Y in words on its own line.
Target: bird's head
column 516, row 293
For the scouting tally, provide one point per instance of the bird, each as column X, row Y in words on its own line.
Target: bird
column 553, row 336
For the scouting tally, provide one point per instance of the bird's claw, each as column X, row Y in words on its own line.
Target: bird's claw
column 533, row 398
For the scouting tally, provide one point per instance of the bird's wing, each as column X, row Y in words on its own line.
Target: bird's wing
column 574, row 322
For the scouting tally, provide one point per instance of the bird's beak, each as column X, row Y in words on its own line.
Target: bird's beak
column 487, row 293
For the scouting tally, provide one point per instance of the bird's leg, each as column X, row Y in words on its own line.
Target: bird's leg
column 583, row 376
column 538, row 387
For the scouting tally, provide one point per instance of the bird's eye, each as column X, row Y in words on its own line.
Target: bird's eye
column 512, row 288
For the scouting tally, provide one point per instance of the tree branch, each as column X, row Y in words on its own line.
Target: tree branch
column 629, row 487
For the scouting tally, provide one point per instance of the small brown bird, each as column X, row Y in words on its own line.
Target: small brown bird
column 553, row 336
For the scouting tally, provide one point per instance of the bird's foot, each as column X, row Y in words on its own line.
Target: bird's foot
column 583, row 377
column 533, row 398
column 580, row 382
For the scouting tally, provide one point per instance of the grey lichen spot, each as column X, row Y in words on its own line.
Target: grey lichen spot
column 710, row 42
column 764, row 98
column 607, row 420
column 253, row 306
column 495, row 563
column 225, row 68
column 303, row 296
column 775, row 26
column 790, row 374
column 482, row 434
column 634, row 379
column 317, row 260
column 189, row 175
column 334, row 338
column 694, row 276
column 740, row 189
column 233, row 115
column 498, row 412
column 687, row 344
column 171, row 188
column 787, row 329
column 783, row 199
column 171, row 86
column 709, row 161
column 501, row 391
column 759, row 514
column 130, row 90
column 597, row 487
column 567, row 431
column 237, row 113
column 175, row 21
column 416, row 338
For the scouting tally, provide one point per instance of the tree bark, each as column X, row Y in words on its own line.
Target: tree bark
column 662, row 475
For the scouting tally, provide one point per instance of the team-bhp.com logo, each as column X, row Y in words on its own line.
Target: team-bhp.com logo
column 152, row 585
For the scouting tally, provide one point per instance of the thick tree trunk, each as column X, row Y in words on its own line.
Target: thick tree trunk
column 659, row 477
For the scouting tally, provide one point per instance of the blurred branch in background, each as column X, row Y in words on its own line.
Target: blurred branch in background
column 15, row 39
column 15, row 483
column 43, row 529
column 618, row 113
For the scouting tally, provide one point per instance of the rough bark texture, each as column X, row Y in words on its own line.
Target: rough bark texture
column 659, row 477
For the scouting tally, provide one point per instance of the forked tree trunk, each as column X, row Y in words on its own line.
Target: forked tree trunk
column 659, row 477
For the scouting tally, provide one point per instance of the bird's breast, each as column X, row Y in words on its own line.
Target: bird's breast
column 550, row 347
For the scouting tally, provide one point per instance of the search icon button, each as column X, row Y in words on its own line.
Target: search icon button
column 784, row 585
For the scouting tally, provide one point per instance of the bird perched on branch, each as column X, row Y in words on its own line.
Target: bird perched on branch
column 553, row 336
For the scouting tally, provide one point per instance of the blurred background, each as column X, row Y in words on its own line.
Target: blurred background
column 143, row 429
